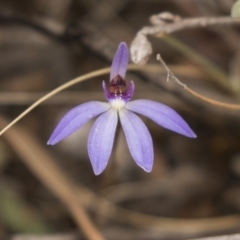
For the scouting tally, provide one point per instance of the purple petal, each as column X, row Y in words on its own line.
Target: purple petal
column 120, row 61
column 138, row 138
column 126, row 96
column 100, row 141
column 75, row 118
column 162, row 115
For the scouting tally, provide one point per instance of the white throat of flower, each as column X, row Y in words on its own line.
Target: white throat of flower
column 117, row 103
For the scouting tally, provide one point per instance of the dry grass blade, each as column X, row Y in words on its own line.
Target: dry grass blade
column 226, row 237
column 66, row 236
column 100, row 72
column 42, row 165
column 170, row 227
column 171, row 76
column 55, row 91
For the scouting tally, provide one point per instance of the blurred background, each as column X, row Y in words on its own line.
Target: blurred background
column 194, row 188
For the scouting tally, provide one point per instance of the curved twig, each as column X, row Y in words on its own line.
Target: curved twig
column 105, row 71
column 171, row 76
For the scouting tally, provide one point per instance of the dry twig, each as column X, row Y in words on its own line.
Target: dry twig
column 225, row 237
column 171, row 76
column 165, row 23
column 168, row 23
column 44, row 168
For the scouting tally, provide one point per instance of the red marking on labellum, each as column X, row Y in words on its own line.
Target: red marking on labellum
column 118, row 85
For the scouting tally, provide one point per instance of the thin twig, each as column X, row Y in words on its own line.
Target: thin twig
column 215, row 72
column 166, row 23
column 70, row 97
column 57, row 236
column 117, row 235
column 174, row 227
column 171, row 76
column 105, row 71
column 177, row 23
column 72, row 82
column 55, row 91
column 225, row 237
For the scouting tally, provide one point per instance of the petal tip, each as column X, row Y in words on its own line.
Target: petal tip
column 51, row 141
column 162, row 115
column 120, row 61
column 189, row 133
column 122, row 46
column 97, row 172
column 193, row 135
column 148, row 169
column 97, row 168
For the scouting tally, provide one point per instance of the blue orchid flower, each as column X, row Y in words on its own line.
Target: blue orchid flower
column 118, row 95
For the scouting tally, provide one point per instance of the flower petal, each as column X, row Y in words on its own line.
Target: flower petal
column 162, row 115
column 100, row 141
column 75, row 118
column 120, row 61
column 128, row 94
column 138, row 138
